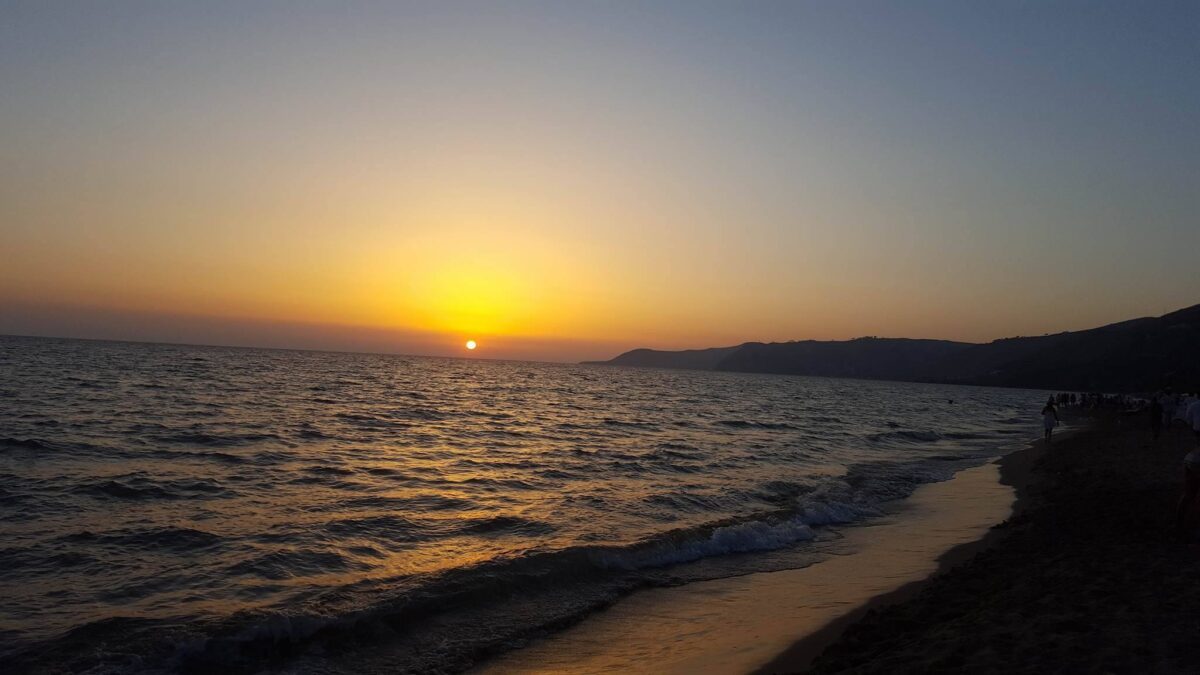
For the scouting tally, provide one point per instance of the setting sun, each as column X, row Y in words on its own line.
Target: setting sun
column 701, row 241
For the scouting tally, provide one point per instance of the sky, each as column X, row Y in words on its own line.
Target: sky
column 566, row 181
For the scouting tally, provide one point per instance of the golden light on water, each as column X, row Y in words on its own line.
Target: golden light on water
column 471, row 344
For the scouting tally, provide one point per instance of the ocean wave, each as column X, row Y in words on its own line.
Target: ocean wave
column 964, row 436
column 140, row 487
column 676, row 446
column 252, row 642
column 325, row 469
column 855, row 496
column 599, row 567
column 743, row 537
column 412, row 502
column 905, row 436
column 392, row 528
column 215, row 456
column 632, row 424
column 511, row 525
column 685, row 501
column 16, row 561
column 293, row 563
column 10, row 498
column 678, row 451
column 79, row 645
column 25, row 443
column 748, row 424
column 369, row 422
column 313, row 435
column 779, row 492
column 215, row 440
column 558, row 474
column 180, row 539
column 420, row 414
column 121, row 490
column 496, row 483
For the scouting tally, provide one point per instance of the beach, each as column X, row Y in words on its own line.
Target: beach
column 1085, row 577
column 1055, row 558
column 736, row 624
column 359, row 513
column 664, row 338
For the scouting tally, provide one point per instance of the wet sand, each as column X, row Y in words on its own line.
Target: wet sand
column 1087, row 576
column 739, row 624
column 1016, row 471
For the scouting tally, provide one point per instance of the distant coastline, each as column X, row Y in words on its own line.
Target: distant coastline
column 1138, row 355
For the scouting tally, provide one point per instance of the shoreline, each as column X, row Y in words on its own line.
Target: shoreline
column 1016, row 472
column 737, row 624
column 1087, row 576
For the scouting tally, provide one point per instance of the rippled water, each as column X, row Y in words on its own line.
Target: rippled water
column 172, row 507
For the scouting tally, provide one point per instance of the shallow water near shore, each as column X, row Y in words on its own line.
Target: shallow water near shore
column 211, row 507
column 737, row 625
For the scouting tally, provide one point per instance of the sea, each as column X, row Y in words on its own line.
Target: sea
column 169, row 508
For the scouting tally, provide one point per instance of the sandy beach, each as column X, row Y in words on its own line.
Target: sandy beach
column 1085, row 577
column 737, row 624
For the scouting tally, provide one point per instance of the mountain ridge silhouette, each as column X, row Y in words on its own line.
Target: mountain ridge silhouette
column 1142, row 354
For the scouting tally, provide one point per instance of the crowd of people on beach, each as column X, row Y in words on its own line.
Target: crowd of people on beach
column 1164, row 410
column 1084, row 401
column 1093, row 401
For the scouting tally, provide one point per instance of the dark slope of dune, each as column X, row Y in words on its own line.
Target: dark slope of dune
column 1137, row 355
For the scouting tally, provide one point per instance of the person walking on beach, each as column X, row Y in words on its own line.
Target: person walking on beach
column 1049, row 418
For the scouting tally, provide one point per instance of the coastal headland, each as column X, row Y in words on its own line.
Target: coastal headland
column 1136, row 355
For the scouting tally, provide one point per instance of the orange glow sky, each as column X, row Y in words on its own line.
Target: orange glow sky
column 565, row 183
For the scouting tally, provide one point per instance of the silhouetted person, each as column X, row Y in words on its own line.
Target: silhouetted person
column 1049, row 418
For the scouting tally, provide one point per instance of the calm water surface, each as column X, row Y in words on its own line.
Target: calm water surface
column 173, row 508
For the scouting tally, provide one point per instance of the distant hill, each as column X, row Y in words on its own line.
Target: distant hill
column 690, row 359
column 1138, row 355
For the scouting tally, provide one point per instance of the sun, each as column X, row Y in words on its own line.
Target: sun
column 471, row 344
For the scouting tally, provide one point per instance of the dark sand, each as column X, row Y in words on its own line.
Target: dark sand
column 1085, row 577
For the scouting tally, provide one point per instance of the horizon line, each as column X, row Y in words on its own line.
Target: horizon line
column 574, row 362
column 281, row 349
